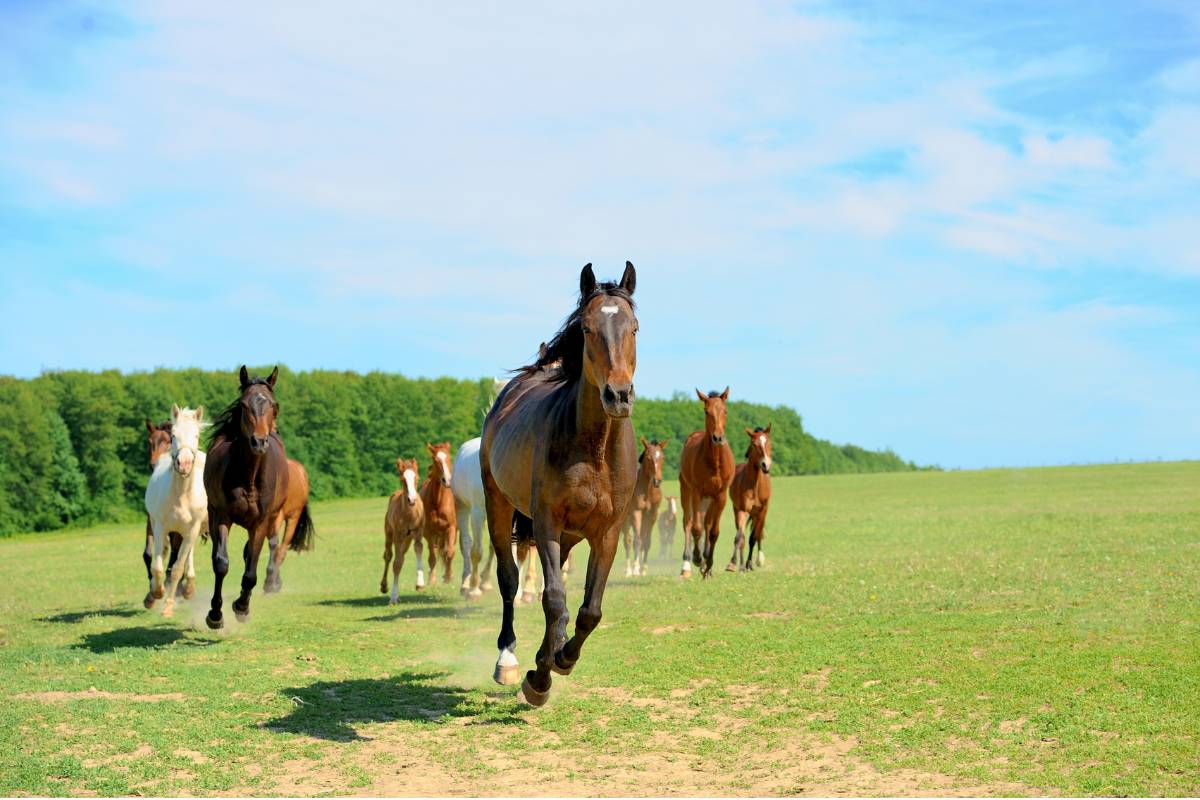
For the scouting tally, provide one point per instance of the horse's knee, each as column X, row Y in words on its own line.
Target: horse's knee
column 221, row 564
column 588, row 619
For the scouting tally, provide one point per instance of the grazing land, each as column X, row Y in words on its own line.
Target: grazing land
column 995, row 632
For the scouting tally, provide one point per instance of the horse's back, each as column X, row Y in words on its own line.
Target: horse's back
column 510, row 432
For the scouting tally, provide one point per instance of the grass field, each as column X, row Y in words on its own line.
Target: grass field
column 996, row 632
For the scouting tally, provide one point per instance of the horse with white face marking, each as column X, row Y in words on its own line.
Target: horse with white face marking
column 441, row 517
column 402, row 526
column 158, row 442
column 467, row 485
column 750, row 493
column 643, row 510
column 667, row 521
column 176, row 501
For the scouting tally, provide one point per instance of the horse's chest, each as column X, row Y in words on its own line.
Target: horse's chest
column 589, row 503
column 243, row 504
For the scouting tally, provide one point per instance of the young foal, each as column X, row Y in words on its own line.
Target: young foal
column 643, row 510
column 559, row 460
column 705, row 471
column 750, row 493
column 666, row 527
column 299, row 533
column 441, row 517
column 175, row 501
column 403, row 525
column 247, row 482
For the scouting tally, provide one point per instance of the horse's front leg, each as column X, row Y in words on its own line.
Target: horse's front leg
column 713, row 527
column 275, row 548
column 627, row 531
column 156, row 566
column 148, row 554
column 254, row 545
column 419, row 554
column 536, row 687
column 189, row 585
column 185, row 552
column 387, row 561
column 600, row 561
column 465, row 542
column 739, row 541
column 219, row 529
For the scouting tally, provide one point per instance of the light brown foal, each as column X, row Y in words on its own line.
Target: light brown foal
column 441, row 517
column 643, row 509
column 403, row 525
column 750, row 493
column 705, row 472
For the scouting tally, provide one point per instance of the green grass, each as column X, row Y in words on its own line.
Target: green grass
column 1026, row 631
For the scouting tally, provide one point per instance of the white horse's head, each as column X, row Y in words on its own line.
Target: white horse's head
column 186, row 425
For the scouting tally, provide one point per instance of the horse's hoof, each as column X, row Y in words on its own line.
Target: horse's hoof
column 189, row 589
column 383, row 588
column 557, row 668
column 507, row 676
column 761, row 558
column 530, row 695
column 645, row 571
column 241, row 617
column 420, row 587
column 393, row 601
column 168, row 609
column 158, row 593
column 486, row 586
column 527, row 597
column 628, row 572
column 731, row 567
column 215, row 623
column 148, row 602
column 474, row 594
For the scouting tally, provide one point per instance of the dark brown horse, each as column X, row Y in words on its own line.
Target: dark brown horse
column 246, row 478
column 750, row 494
column 705, row 472
column 158, row 442
column 441, row 513
column 298, row 531
column 643, row 510
column 559, row 460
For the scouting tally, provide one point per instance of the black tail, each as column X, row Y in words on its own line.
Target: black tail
column 522, row 528
column 305, row 532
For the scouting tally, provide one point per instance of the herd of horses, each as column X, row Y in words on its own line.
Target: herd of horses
column 558, row 463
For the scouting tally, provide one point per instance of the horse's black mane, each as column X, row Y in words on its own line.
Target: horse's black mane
column 228, row 424
column 567, row 344
column 714, row 393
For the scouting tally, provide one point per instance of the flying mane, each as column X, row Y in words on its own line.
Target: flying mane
column 567, row 344
column 228, row 424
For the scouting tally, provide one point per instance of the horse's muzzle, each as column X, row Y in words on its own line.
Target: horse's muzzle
column 718, row 439
column 657, row 482
column 446, row 482
column 259, row 444
column 617, row 400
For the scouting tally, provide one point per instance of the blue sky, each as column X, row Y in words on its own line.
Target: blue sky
column 970, row 232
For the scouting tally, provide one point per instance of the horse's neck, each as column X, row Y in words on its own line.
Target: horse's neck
column 594, row 425
column 643, row 479
column 714, row 453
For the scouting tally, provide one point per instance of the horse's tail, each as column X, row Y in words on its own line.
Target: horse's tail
column 306, row 532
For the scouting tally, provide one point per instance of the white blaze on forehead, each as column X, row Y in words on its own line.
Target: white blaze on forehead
column 609, row 309
column 762, row 442
column 658, row 456
column 410, row 482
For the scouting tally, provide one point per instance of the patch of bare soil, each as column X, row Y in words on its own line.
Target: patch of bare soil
column 96, row 694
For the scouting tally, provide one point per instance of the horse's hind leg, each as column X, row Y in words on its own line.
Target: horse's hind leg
column 148, row 559
column 628, row 529
column 387, row 561
column 485, row 572
column 254, row 545
column 187, row 542
column 156, row 567
column 465, row 542
column 529, row 592
column 418, row 552
column 189, row 585
column 402, row 542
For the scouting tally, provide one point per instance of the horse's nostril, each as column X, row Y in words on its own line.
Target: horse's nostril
column 609, row 395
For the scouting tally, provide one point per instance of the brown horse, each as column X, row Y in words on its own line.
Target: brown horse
column 158, row 442
column 246, row 478
column 643, row 511
column 667, row 521
column 403, row 525
column 705, row 472
column 441, row 513
column 750, row 493
column 299, row 533
column 559, row 461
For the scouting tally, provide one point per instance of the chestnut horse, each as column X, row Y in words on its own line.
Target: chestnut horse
column 299, row 533
column 402, row 526
column 158, row 442
column 643, row 511
column 246, row 478
column 559, row 461
column 750, row 493
column 705, row 472
column 441, row 513
column 667, row 521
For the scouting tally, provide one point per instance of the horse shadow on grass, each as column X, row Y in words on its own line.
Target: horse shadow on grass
column 144, row 637
column 329, row 709
column 375, row 601
column 73, row 617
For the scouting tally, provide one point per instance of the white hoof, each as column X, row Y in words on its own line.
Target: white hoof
column 760, row 559
column 508, row 671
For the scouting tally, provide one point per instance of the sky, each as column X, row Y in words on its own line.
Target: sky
column 969, row 232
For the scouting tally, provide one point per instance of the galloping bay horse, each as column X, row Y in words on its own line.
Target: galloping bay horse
column 705, row 471
column 441, row 513
column 750, row 493
column 246, row 478
column 299, row 533
column 403, row 525
column 643, row 510
column 559, row 461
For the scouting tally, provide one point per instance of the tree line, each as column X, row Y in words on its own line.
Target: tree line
column 73, row 443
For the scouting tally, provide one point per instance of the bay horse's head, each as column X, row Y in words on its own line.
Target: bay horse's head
column 714, row 414
column 410, row 473
column 158, row 440
column 258, row 409
column 442, row 469
column 185, row 438
column 652, row 460
column 758, row 455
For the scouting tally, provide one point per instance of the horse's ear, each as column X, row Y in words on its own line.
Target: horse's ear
column 273, row 377
column 430, row 448
column 725, row 394
column 645, row 444
column 199, row 413
column 767, row 430
column 629, row 278
column 244, row 376
column 702, row 396
column 750, row 433
column 174, row 411
column 400, row 464
column 587, row 281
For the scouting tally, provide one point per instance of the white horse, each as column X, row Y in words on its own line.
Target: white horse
column 177, row 503
column 467, row 484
